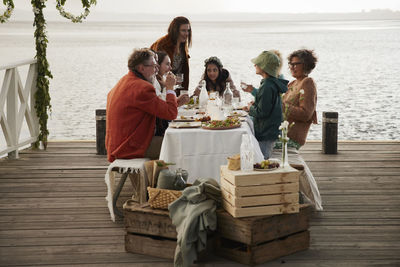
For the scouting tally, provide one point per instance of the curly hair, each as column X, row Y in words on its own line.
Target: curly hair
column 138, row 57
column 307, row 57
column 173, row 29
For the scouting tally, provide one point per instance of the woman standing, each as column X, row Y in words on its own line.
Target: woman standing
column 176, row 44
column 300, row 101
column 299, row 106
column 216, row 78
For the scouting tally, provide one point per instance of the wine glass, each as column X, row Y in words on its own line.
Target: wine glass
column 243, row 85
column 179, row 81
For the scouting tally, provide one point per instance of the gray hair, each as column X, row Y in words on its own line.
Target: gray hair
column 139, row 56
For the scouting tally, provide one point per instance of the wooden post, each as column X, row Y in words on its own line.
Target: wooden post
column 12, row 111
column 101, row 131
column 329, row 132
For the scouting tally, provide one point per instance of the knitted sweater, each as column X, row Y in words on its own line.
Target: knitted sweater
column 132, row 108
column 301, row 108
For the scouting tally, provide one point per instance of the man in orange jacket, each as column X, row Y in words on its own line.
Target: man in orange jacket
column 132, row 108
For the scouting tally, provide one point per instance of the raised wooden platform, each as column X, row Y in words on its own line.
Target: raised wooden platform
column 53, row 211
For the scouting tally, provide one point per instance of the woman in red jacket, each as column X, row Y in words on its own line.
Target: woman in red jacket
column 176, row 44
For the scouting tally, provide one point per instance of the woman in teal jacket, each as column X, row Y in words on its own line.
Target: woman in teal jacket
column 267, row 107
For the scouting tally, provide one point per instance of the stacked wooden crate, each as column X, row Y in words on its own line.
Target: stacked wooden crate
column 149, row 231
column 256, row 193
column 255, row 240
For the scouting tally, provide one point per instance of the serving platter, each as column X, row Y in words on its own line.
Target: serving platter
column 222, row 128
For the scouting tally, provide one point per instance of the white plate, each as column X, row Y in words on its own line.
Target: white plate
column 189, row 124
column 265, row 170
column 238, row 113
column 185, row 118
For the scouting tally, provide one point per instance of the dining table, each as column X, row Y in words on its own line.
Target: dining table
column 202, row 151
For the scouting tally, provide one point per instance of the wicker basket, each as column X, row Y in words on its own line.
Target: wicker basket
column 160, row 198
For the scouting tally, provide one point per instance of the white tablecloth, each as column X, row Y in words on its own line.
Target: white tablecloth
column 201, row 152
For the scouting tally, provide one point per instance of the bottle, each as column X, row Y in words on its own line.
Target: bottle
column 246, row 153
column 227, row 96
column 227, row 100
column 203, row 98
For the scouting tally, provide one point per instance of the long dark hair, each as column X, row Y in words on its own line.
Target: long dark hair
column 173, row 29
column 223, row 74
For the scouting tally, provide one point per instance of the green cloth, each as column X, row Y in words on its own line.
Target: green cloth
column 194, row 215
column 291, row 143
column 267, row 108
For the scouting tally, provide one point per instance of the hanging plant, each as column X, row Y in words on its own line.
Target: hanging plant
column 86, row 4
column 7, row 14
column 42, row 95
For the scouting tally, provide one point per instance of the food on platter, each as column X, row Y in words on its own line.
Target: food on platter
column 238, row 113
column 203, row 119
column 229, row 123
column 266, row 165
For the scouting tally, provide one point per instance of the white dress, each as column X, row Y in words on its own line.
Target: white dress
column 161, row 95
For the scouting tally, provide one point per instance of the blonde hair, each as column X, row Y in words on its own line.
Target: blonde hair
column 278, row 54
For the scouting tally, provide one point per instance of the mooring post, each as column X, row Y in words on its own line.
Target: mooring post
column 101, row 131
column 329, row 132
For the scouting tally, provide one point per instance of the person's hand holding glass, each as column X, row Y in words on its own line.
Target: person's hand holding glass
column 246, row 87
column 170, row 81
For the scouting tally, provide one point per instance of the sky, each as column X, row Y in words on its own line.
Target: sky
column 212, row 6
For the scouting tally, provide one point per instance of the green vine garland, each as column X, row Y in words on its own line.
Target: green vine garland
column 75, row 19
column 7, row 14
column 42, row 96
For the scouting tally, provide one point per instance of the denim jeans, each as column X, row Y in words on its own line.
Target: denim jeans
column 266, row 147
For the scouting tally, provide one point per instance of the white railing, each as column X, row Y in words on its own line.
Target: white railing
column 20, row 102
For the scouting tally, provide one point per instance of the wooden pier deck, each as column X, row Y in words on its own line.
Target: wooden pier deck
column 53, row 211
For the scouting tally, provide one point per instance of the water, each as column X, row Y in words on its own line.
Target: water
column 356, row 75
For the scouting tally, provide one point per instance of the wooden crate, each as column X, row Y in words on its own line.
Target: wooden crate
column 257, row 193
column 151, row 232
column 258, row 239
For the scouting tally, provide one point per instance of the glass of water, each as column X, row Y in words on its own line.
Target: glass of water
column 235, row 102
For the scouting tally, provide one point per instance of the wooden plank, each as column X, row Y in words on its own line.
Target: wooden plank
column 260, row 211
column 118, row 232
column 259, row 189
column 239, row 178
column 251, row 201
column 79, row 258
